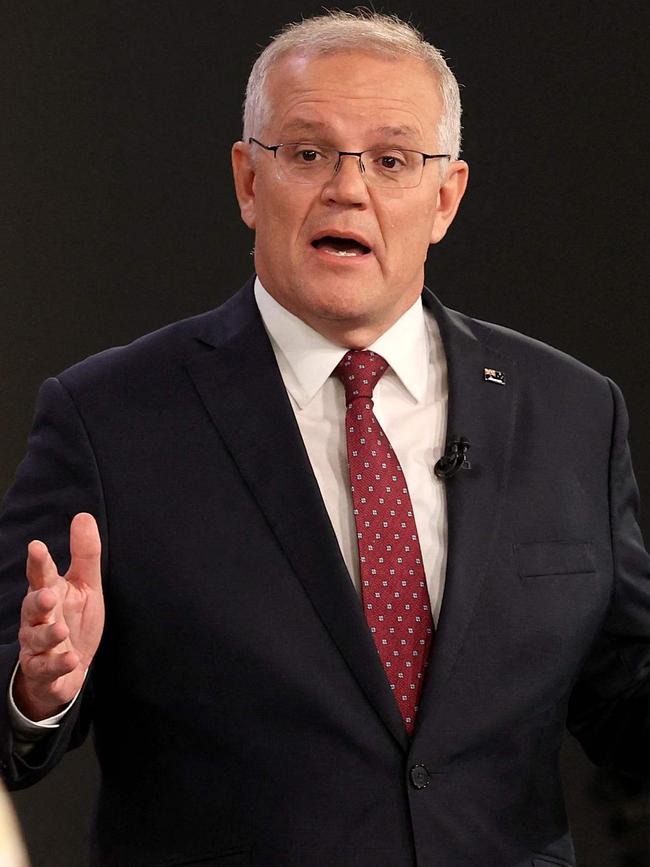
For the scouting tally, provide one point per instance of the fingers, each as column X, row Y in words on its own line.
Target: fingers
column 41, row 627
column 42, row 638
column 38, row 606
column 41, row 568
column 85, row 556
column 45, row 683
column 45, row 660
column 46, row 669
column 85, row 551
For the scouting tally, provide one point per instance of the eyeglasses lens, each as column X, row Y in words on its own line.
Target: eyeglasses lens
column 306, row 163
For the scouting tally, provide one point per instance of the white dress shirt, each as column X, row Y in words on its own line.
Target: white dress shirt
column 410, row 402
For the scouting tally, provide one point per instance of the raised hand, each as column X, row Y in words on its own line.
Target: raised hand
column 61, row 624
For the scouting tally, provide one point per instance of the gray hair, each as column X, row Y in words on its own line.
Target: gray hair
column 361, row 30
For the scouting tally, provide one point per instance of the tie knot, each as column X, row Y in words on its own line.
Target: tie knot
column 360, row 370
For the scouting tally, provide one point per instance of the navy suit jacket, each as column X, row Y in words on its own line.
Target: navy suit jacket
column 241, row 714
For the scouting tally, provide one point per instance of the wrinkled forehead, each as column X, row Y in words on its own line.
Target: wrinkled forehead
column 316, row 91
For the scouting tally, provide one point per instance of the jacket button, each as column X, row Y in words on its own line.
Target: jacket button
column 420, row 777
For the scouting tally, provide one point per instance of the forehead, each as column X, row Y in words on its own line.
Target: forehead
column 350, row 93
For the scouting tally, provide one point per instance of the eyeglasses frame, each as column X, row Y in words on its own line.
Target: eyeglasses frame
column 358, row 154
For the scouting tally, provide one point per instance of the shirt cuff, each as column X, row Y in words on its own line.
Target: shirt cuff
column 26, row 728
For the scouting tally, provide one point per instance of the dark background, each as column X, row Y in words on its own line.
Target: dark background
column 117, row 216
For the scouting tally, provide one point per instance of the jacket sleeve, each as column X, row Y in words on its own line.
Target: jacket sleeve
column 57, row 478
column 609, row 709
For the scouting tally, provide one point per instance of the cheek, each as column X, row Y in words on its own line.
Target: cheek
column 408, row 236
column 407, row 223
column 422, row 221
column 279, row 216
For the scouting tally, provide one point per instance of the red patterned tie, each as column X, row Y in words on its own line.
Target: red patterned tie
column 393, row 583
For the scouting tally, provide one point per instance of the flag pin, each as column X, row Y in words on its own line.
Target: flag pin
column 492, row 375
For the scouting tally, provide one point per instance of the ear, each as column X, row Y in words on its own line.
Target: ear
column 244, row 176
column 449, row 195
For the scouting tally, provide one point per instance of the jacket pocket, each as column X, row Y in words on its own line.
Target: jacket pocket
column 537, row 559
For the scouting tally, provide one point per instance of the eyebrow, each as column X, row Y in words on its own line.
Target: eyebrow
column 299, row 126
column 397, row 131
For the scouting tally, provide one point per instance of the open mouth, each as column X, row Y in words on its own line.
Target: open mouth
column 340, row 246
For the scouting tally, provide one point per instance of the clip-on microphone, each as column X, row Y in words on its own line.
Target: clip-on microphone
column 454, row 458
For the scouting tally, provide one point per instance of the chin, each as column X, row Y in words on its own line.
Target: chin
column 341, row 305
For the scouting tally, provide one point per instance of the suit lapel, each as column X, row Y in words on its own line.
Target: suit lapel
column 484, row 412
column 242, row 390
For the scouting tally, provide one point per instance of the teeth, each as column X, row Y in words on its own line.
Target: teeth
column 343, row 252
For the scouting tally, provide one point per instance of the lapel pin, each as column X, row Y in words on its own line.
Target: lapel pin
column 491, row 375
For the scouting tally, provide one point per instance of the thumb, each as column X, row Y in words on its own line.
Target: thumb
column 85, row 551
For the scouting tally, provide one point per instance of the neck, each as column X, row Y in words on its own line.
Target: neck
column 359, row 329
column 354, row 333
column 354, row 337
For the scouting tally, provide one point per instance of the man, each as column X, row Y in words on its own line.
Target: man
column 316, row 649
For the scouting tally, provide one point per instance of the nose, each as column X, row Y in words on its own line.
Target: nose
column 347, row 184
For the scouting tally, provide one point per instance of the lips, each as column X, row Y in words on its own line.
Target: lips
column 340, row 244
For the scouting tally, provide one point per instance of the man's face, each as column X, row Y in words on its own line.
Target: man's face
column 350, row 101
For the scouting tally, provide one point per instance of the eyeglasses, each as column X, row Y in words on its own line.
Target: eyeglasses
column 383, row 167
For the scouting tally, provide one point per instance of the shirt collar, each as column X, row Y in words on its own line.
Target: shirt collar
column 307, row 358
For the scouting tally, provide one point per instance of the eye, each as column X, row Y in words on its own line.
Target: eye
column 305, row 153
column 391, row 161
